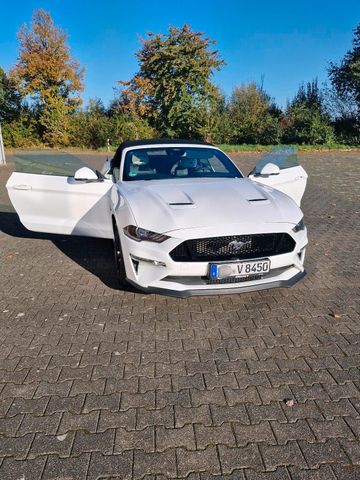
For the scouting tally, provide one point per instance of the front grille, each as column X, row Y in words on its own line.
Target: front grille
column 235, row 247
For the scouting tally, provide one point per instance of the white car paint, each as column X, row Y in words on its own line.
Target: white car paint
column 291, row 181
column 218, row 202
column 56, row 204
column 212, row 207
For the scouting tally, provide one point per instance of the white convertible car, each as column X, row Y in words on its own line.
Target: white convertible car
column 183, row 218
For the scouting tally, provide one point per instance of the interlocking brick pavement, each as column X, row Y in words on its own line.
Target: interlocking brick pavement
column 100, row 383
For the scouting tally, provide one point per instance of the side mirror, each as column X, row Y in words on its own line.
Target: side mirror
column 270, row 169
column 85, row 174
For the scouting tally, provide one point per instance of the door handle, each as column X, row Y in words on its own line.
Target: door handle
column 22, row 187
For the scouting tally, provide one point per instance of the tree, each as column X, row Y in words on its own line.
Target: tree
column 18, row 126
column 344, row 98
column 173, row 87
column 344, row 114
column 345, row 77
column 10, row 99
column 310, row 97
column 46, row 71
column 254, row 118
column 307, row 119
column 90, row 127
column 93, row 126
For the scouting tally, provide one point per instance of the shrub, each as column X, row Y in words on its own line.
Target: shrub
column 20, row 133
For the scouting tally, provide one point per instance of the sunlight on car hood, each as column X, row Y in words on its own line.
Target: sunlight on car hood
column 194, row 204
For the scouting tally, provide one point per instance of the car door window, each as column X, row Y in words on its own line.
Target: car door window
column 47, row 163
column 283, row 157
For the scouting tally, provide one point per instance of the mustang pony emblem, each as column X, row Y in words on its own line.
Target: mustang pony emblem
column 237, row 245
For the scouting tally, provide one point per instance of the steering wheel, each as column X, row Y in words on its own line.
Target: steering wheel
column 200, row 168
column 205, row 168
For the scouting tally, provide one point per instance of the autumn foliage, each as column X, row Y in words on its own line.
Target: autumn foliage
column 47, row 73
column 173, row 87
column 172, row 94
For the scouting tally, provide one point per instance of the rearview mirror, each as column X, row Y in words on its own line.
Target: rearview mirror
column 85, row 174
column 270, row 169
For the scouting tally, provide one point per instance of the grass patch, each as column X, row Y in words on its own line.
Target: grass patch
column 265, row 148
column 301, row 148
column 226, row 147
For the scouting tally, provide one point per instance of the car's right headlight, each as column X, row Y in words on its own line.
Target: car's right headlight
column 141, row 234
column 299, row 226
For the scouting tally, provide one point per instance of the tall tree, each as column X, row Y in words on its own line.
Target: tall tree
column 173, row 86
column 345, row 76
column 307, row 119
column 254, row 117
column 310, row 96
column 344, row 98
column 46, row 71
column 10, row 99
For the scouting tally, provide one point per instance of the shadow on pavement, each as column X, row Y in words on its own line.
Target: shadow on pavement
column 96, row 255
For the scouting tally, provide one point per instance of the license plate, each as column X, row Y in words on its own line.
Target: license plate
column 239, row 269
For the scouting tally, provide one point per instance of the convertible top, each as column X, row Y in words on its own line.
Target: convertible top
column 154, row 141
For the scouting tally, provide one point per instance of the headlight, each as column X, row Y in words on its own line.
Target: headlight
column 140, row 234
column 300, row 226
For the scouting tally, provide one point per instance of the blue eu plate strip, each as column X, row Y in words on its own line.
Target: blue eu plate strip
column 213, row 272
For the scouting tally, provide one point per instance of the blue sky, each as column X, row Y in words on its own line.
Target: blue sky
column 283, row 42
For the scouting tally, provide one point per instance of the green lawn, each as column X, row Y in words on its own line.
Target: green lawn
column 265, row 148
column 225, row 147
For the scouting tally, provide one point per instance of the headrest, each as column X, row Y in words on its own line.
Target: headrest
column 139, row 158
column 188, row 163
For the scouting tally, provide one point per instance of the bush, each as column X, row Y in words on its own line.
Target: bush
column 92, row 128
column 126, row 128
column 20, row 133
column 307, row 117
column 307, row 126
column 347, row 129
column 252, row 117
column 89, row 131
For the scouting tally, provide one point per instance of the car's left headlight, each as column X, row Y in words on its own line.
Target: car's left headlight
column 299, row 226
column 140, row 234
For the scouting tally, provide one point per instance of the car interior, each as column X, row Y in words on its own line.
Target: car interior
column 166, row 163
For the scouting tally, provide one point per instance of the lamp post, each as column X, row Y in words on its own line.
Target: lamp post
column 2, row 151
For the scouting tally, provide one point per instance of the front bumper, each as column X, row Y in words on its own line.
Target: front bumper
column 223, row 291
column 150, row 268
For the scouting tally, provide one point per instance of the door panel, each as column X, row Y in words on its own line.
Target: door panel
column 291, row 181
column 292, row 178
column 59, row 204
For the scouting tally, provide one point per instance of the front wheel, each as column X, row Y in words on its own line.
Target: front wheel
column 119, row 259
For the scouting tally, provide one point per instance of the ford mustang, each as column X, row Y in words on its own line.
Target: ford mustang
column 183, row 218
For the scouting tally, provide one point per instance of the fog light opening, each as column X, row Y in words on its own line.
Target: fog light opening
column 135, row 264
column 156, row 263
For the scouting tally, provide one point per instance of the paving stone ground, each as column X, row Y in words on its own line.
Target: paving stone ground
column 100, row 383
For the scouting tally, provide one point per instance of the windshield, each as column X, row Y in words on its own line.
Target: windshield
column 177, row 162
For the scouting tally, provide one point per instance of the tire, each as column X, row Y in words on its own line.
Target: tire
column 119, row 259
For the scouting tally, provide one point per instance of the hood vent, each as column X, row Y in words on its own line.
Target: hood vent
column 255, row 200
column 180, row 204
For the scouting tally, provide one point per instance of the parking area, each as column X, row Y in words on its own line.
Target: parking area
column 100, row 383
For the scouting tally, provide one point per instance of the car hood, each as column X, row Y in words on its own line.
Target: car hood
column 192, row 203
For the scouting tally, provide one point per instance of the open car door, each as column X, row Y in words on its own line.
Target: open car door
column 280, row 169
column 50, row 201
